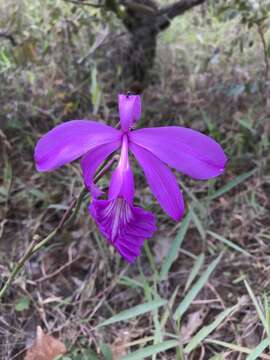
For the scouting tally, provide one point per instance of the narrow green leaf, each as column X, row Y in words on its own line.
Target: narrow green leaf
column 23, row 304
column 266, row 311
column 198, row 224
column 40, row 195
column 86, row 354
column 168, row 309
column 132, row 283
column 259, row 349
column 192, row 196
column 228, row 243
column 196, row 288
column 133, row 312
column 7, row 174
column 95, row 90
column 158, row 333
column 176, row 244
column 233, row 347
column 231, row 184
column 106, row 351
column 257, row 306
column 151, row 350
column 195, row 270
column 206, row 330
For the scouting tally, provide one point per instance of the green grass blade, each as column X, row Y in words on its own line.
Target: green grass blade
column 233, row 347
column 150, row 350
column 133, row 312
column 197, row 222
column 196, row 288
column 228, row 243
column 206, row 330
column 190, row 194
column 168, row 309
column 173, row 252
column 195, row 270
column 106, row 351
column 231, row 184
column 257, row 306
column 132, row 283
column 266, row 311
column 259, row 349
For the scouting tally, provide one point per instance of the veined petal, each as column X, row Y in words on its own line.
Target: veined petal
column 124, row 226
column 71, row 140
column 161, row 181
column 188, row 151
column 129, row 110
column 92, row 160
column 122, row 181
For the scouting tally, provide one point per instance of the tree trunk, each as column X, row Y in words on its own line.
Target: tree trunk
column 144, row 20
column 140, row 20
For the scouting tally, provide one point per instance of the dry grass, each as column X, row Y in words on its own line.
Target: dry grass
column 77, row 281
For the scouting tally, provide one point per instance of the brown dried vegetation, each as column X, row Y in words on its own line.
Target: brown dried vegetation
column 77, row 281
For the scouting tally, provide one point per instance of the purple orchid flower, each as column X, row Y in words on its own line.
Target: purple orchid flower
column 124, row 225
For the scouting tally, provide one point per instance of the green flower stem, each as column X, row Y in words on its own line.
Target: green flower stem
column 68, row 217
column 17, row 268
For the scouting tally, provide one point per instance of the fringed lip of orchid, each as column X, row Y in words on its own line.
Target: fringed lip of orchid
column 124, row 225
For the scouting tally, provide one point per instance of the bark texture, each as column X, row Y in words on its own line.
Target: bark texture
column 144, row 21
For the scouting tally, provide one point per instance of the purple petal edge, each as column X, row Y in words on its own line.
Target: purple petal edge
column 92, row 160
column 129, row 110
column 123, row 225
column 71, row 140
column 161, row 181
column 186, row 150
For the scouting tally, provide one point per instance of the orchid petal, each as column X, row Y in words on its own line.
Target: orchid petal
column 161, row 181
column 71, row 140
column 92, row 160
column 122, row 182
column 188, row 151
column 124, row 226
column 129, row 110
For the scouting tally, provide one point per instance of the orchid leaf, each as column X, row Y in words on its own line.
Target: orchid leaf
column 133, row 312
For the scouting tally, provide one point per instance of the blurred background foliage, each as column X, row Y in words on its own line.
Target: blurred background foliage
column 202, row 64
column 68, row 50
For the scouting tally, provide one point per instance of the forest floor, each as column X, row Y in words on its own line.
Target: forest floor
column 202, row 80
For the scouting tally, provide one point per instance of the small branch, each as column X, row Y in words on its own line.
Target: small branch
column 82, row 2
column 105, row 169
column 168, row 13
column 58, row 271
column 146, row 9
column 266, row 59
column 9, row 37
column 18, row 267
column 66, row 219
column 77, row 204
column 179, row 7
